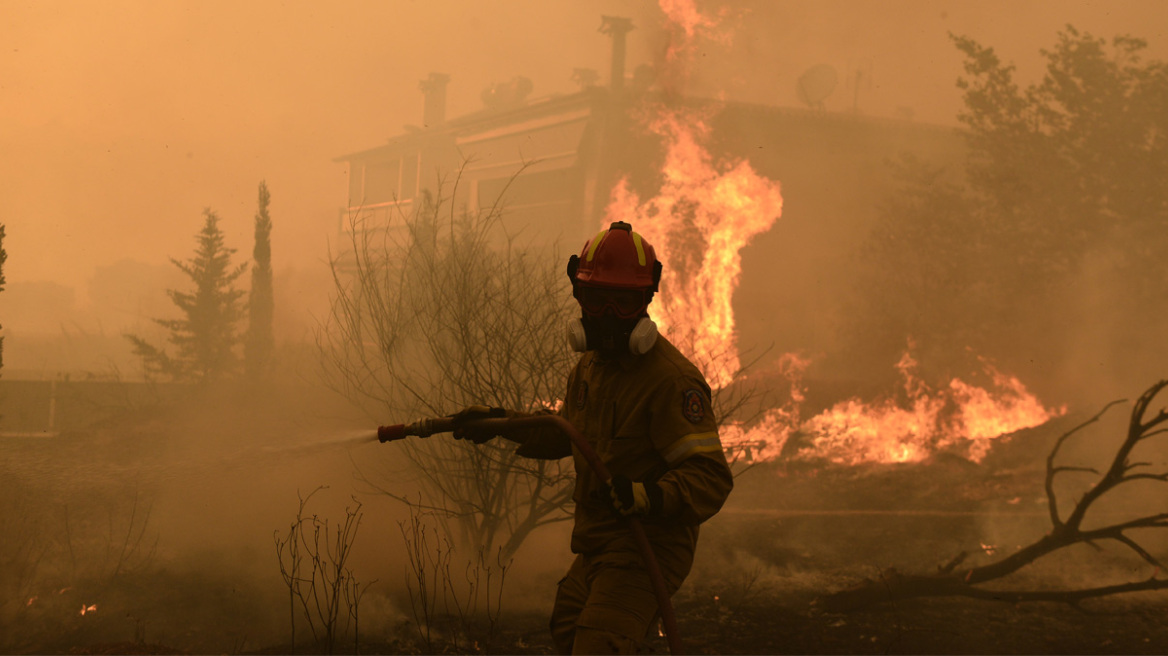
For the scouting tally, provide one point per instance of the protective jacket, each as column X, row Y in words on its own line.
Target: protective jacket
column 648, row 417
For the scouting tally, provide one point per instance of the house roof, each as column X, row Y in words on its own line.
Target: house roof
column 490, row 123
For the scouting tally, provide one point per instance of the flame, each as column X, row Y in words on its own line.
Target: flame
column 765, row 439
column 684, row 15
column 705, row 212
column 31, row 600
column 699, row 221
column 982, row 417
column 686, row 25
column 92, row 608
column 905, row 427
column 963, row 417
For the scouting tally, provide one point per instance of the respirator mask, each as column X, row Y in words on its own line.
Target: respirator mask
column 612, row 334
column 612, row 321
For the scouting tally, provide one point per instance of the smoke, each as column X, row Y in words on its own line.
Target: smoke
column 125, row 121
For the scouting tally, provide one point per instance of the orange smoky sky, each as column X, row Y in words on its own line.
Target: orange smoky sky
column 121, row 121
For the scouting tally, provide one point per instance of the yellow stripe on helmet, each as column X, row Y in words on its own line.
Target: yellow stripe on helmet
column 595, row 242
column 640, row 249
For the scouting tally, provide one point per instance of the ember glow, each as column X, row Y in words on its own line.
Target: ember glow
column 92, row 608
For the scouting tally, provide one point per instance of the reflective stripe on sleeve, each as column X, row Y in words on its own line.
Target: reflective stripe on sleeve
column 691, row 444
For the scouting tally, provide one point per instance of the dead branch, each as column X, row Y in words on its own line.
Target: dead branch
column 954, row 581
column 892, row 585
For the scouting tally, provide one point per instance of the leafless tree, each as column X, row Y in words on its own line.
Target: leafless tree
column 436, row 310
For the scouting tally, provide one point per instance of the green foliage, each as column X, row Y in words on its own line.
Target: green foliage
column 205, row 338
column 259, row 341
column 1063, row 184
column 1074, row 161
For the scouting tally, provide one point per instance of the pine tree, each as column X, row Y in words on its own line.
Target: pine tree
column 205, row 338
column 259, row 342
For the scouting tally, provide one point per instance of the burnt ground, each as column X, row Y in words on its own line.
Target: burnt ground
column 792, row 533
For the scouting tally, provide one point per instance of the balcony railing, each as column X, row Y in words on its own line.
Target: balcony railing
column 377, row 215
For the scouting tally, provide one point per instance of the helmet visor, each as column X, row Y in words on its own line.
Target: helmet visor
column 624, row 303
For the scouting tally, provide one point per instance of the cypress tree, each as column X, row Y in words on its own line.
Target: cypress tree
column 3, row 258
column 260, row 343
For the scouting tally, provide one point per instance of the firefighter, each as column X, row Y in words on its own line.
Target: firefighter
column 645, row 409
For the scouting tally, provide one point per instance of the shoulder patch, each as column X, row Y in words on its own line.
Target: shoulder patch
column 581, row 394
column 692, row 406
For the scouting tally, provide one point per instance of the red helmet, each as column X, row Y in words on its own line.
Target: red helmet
column 618, row 258
column 614, row 261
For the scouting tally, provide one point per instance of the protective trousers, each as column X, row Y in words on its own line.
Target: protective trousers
column 604, row 605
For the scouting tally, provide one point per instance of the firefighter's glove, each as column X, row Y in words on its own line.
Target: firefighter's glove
column 474, row 413
column 635, row 498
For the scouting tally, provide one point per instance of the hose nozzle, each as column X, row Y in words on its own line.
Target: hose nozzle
column 422, row 428
column 391, row 433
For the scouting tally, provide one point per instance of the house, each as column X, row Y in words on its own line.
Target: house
column 553, row 162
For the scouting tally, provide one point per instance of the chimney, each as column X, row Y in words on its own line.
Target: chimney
column 434, row 90
column 617, row 27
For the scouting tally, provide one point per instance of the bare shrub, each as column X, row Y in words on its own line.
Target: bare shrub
column 441, row 309
column 461, row 610
column 56, row 552
column 313, row 562
column 24, row 544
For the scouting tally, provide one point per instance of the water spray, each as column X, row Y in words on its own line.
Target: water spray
column 431, row 426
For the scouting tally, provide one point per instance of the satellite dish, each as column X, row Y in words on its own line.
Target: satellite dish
column 816, row 84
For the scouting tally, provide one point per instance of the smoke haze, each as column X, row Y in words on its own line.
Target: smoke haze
column 121, row 121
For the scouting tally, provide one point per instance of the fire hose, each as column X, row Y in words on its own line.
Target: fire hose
column 428, row 427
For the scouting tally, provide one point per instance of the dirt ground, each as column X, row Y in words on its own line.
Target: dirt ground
column 772, row 624
column 791, row 534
